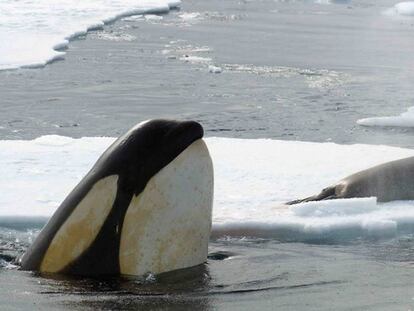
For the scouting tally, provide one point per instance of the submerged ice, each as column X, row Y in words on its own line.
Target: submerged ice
column 253, row 178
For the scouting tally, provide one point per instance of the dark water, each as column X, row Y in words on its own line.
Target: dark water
column 241, row 274
column 292, row 70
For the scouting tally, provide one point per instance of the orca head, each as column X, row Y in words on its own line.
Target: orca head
column 145, row 149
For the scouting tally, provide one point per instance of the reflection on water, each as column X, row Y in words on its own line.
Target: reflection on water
column 170, row 290
column 242, row 271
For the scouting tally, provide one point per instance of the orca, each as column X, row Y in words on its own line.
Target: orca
column 144, row 207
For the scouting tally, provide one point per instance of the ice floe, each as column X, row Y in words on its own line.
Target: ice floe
column 253, row 178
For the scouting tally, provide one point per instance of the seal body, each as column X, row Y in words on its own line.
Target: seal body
column 145, row 206
column 388, row 182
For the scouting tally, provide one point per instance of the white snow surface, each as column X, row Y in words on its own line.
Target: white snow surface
column 406, row 119
column 253, row 178
column 32, row 30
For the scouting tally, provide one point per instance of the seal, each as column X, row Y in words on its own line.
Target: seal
column 388, row 182
column 145, row 206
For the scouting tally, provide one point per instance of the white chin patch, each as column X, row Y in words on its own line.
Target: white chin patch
column 167, row 226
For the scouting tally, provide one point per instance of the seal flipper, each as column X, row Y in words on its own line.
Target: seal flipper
column 326, row 194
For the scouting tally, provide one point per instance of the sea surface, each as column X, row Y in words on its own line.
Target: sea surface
column 293, row 96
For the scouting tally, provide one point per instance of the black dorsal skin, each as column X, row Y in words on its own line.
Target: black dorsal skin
column 135, row 157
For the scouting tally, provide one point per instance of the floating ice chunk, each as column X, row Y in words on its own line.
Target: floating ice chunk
column 190, row 16
column 405, row 8
column 401, row 9
column 201, row 49
column 405, row 119
column 332, row 1
column 195, row 59
column 153, row 17
column 214, row 69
